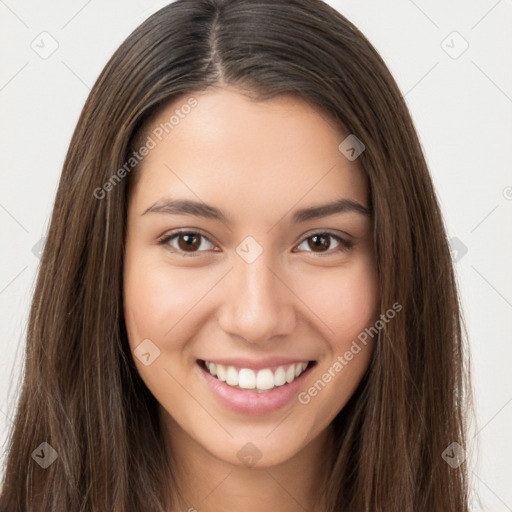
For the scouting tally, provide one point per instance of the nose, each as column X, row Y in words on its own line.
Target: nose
column 258, row 305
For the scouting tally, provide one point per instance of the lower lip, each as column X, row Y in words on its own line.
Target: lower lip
column 249, row 401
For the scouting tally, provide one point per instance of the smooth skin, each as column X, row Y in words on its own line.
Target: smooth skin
column 197, row 298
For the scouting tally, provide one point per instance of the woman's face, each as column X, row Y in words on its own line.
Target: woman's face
column 261, row 285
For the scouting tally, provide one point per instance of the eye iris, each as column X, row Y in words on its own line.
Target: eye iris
column 319, row 241
column 191, row 242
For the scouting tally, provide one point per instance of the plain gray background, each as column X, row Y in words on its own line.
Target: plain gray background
column 452, row 63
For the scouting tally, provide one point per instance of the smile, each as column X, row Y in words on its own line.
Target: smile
column 255, row 387
column 264, row 379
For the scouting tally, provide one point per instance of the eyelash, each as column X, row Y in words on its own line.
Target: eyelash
column 344, row 245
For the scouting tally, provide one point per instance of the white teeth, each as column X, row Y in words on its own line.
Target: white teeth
column 262, row 380
column 221, row 373
column 265, row 379
column 232, row 376
column 246, row 378
column 299, row 368
column 290, row 374
column 279, row 377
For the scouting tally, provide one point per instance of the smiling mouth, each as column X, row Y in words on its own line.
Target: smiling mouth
column 260, row 381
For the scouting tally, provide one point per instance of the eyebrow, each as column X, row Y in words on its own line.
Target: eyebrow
column 200, row 209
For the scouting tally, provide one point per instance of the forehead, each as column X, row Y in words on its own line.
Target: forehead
column 228, row 147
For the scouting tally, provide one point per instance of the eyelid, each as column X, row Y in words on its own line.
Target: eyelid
column 165, row 238
column 346, row 243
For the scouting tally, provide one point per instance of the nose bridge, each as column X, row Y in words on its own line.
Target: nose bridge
column 257, row 305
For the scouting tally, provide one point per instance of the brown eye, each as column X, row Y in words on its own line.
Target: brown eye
column 187, row 242
column 321, row 243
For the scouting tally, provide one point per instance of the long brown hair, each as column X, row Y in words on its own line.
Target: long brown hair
column 81, row 392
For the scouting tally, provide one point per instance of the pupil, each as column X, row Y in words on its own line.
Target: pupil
column 317, row 238
column 190, row 242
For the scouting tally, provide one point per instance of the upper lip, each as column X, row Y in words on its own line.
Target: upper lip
column 257, row 364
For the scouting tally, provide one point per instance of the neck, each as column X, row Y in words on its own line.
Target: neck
column 209, row 484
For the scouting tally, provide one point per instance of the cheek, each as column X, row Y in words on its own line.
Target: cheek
column 357, row 302
column 158, row 297
column 346, row 302
column 345, row 299
column 157, row 300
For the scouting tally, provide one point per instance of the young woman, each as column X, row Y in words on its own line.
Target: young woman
column 246, row 300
